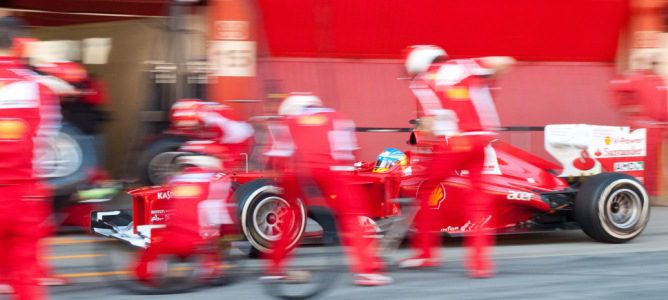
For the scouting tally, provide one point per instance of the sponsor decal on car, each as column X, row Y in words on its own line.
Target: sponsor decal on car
column 629, row 166
column 517, row 195
column 165, row 195
column 585, row 150
column 469, row 225
column 437, row 197
column 186, row 191
column 158, row 215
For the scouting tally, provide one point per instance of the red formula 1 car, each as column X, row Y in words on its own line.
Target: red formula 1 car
column 530, row 193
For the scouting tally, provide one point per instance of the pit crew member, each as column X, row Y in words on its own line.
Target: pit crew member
column 215, row 122
column 29, row 115
column 317, row 144
column 457, row 121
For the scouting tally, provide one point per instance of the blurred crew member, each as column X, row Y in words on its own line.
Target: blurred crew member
column 458, row 119
column 214, row 122
column 44, row 209
column 29, row 115
column 199, row 195
column 316, row 145
column 195, row 213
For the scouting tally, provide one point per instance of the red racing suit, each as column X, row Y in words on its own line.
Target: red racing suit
column 458, row 121
column 198, row 207
column 317, row 146
column 29, row 115
column 221, row 127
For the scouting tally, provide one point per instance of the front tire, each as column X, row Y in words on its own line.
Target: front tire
column 612, row 207
column 261, row 204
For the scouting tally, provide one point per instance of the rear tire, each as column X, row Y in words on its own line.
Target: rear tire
column 70, row 155
column 612, row 207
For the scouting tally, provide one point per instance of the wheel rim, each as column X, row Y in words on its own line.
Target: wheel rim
column 247, row 219
column 623, row 208
column 268, row 217
column 61, row 158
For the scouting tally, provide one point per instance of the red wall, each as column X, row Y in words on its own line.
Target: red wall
column 531, row 94
column 537, row 30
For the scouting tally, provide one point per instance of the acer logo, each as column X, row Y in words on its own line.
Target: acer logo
column 165, row 195
column 516, row 195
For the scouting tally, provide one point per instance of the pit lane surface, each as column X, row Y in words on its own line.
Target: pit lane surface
column 559, row 265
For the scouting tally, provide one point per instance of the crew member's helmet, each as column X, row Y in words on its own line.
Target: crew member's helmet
column 295, row 103
column 183, row 114
column 389, row 160
column 68, row 71
column 420, row 57
column 20, row 46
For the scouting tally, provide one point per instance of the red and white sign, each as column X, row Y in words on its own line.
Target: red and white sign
column 233, row 58
column 231, row 30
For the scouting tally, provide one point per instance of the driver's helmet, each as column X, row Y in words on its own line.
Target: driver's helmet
column 389, row 160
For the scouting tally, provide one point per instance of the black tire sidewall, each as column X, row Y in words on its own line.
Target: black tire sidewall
column 167, row 143
column 66, row 185
column 588, row 214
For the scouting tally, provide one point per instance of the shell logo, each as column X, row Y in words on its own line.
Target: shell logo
column 12, row 129
column 437, row 196
column 607, row 140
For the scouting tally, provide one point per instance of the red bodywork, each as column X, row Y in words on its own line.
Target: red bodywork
column 151, row 205
column 516, row 191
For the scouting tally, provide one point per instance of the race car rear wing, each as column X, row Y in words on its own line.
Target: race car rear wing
column 585, row 150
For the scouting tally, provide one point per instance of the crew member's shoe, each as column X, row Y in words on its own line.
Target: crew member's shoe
column 6, row 289
column 481, row 273
column 419, row 263
column 293, row 277
column 480, row 268
column 52, row 281
column 372, row 279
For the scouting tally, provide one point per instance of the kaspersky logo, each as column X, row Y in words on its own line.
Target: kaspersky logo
column 13, row 129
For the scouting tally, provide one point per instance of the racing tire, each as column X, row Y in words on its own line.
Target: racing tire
column 313, row 270
column 257, row 199
column 118, row 258
column 71, row 153
column 155, row 163
column 612, row 207
column 233, row 254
